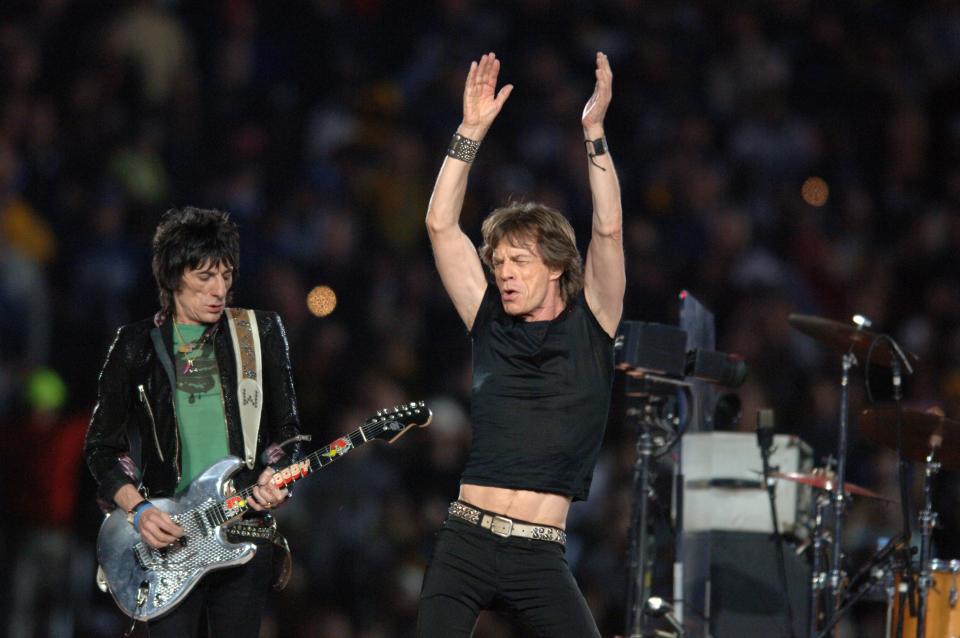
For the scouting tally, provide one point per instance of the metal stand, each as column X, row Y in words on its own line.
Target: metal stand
column 928, row 520
column 637, row 593
column 834, row 593
column 877, row 570
column 657, row 432
column 771, row 486
column 818, row 578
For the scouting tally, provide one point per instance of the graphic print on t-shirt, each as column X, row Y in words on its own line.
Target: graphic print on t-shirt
column 197, row 372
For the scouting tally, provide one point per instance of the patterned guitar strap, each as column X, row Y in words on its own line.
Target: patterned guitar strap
column 246, row 348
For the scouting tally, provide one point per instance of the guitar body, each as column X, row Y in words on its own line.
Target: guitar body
column 147, row 583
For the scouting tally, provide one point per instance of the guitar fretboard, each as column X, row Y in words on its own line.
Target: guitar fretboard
column 236, row 505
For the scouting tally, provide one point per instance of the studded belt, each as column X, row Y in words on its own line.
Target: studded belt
column 503, row 526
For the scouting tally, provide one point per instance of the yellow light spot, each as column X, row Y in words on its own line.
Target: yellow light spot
column 815, row 191
column 321, row 301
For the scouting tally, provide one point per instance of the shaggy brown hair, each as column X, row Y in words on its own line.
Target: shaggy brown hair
column 553, row 235
column 186, row 238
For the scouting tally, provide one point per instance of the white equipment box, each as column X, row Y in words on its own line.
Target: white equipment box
column 723, row 483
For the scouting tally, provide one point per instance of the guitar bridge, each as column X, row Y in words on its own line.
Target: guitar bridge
column 144, row 558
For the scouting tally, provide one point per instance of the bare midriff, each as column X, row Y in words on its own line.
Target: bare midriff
column 542, row 508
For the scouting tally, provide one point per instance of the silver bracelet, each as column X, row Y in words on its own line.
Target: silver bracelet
column 463, row 148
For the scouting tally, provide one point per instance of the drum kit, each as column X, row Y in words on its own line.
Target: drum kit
column 923, row 591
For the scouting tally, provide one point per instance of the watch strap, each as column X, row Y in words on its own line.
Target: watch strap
column 597, row 147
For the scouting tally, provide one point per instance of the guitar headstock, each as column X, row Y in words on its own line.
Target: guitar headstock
column 392, row 423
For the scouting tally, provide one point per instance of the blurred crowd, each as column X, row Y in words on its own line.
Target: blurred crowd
column 320, row 125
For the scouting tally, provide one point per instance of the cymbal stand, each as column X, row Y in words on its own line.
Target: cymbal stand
column 818, row 577
column 928, row 520
column 839, row 495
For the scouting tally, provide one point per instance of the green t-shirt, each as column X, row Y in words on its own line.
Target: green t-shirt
column 199, row 403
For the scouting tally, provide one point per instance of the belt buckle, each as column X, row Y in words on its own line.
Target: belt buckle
column 503, row 520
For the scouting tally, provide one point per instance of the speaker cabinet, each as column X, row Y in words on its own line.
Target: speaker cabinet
column 743, row 592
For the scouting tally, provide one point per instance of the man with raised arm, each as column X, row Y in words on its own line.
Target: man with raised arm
column 542, row 336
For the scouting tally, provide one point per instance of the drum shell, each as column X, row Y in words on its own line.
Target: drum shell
column 943, row 603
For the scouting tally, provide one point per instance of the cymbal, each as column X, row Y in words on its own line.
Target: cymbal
column 922, row 431
column 822, row 481
column 843, row 337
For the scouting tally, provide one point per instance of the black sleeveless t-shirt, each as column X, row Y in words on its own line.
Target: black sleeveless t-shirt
column 541, row 392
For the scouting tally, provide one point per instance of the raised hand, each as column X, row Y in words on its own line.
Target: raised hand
column 596, row 108
column 481, row 101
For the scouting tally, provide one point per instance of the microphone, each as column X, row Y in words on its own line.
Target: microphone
column 765, row 424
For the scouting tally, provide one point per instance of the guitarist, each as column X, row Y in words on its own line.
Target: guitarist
column 174, row 378
column 542, row 334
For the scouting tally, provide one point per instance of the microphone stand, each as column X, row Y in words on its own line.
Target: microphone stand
column 839, row 496
column 765, row 439
column 928, row 517
column 902, row 469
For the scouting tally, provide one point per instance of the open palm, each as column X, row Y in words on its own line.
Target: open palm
column 596, row 108
column 481, row 102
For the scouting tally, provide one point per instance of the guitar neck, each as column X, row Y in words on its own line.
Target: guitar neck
column 238, row 504
column 388, row 424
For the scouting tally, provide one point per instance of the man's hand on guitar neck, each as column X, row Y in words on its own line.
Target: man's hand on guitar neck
column 266, row 495
column 154, row 525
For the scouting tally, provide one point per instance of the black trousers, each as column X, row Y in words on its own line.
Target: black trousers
column 227, row 602
column 473, row 569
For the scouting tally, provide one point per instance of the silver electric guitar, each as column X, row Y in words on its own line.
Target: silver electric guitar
column 147, row 583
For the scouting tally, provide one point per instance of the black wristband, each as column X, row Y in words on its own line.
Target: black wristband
column 463, row 148
column 597, row 147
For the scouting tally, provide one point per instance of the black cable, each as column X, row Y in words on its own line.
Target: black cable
column 896, row 356
column 778, row 539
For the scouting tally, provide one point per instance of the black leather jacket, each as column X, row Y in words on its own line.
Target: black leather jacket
column 136, row 391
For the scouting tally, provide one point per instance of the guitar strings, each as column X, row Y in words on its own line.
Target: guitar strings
column 321, row 456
